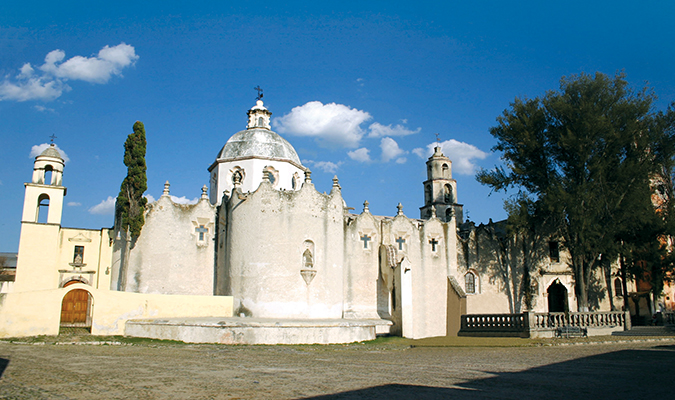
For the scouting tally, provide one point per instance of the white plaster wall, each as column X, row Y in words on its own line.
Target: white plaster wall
column 361, row 266
column 266, row 231
column 168, row 257
column 253, row 176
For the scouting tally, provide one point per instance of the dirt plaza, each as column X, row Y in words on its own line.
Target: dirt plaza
column 386, row 369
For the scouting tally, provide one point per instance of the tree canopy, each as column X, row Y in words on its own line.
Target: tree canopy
column 130, row 201
column 587, row 155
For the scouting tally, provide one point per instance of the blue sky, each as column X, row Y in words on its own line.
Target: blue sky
column 358, row 88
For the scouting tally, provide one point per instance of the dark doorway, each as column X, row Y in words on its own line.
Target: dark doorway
column 557, row 297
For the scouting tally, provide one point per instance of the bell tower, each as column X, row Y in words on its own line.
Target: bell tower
column 43, row 201
column 440, row 190
column 37, row 264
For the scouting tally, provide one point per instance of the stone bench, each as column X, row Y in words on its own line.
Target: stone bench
column 567, row 331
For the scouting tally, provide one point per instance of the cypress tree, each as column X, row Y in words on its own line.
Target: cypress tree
column 130, row 201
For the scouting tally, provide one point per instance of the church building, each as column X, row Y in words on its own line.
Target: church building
column 263, row 250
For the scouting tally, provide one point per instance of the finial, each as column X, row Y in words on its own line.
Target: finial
column 166, row 189
column 437, row 138
column 53, row 136
column 308, row 176
column 433, row 211
column 266, row 175
column 260, row 92
column 365, row 206
column 335, row 182
column 399, row 207
column 205, row 190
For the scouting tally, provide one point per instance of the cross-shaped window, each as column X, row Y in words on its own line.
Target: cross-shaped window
column 400, row 242
column 201, row 230
column 433, row 242
column 365, row 239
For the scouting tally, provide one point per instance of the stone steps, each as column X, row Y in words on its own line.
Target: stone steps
column 647, row 331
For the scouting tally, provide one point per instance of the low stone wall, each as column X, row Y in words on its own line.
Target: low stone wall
column 531, row 324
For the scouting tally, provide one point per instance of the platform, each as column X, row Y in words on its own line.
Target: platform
column 257, row 330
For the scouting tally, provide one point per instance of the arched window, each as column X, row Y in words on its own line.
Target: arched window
column 49, row 171
column 42, row 209
column 272, row 173
column 445, row 170
column 470, row 283
column 237, row 175
column 260, row 121
column 618, row 287
column 447, row 194
column 427, row 195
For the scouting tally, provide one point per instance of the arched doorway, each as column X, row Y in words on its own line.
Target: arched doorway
column 76, row 308
column 557, row 297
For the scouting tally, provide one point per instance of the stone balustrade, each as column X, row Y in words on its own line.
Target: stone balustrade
column 531, row 324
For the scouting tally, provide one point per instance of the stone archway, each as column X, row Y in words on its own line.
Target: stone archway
column 557, row 297
column 76, row 308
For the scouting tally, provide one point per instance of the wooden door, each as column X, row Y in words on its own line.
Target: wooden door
column 75, row 308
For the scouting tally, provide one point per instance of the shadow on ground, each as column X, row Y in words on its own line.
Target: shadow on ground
column 627, row 374
column 3, row 365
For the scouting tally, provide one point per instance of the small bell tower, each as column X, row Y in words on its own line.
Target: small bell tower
column 440, row 190
column 43, row 200
column 259, row 116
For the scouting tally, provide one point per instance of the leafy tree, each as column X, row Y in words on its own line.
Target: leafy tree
column 585, row 154
column 130, row 201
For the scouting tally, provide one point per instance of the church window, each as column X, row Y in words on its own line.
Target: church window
column 427, row 194
column 365, row 239
column 307, row 259
column 618, row 287
column 260, row 121
column 78, row 255
column 201, row 230
column 272, row 173
column 470, row 283
column 554, row 251
column 238, row 175
column 448, row 214
column 43, row 208
column 447, row 194
column 445, row 170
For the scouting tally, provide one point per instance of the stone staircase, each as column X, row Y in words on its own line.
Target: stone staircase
column 647, row 331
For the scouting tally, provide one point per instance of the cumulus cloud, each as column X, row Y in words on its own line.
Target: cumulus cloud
column 106, row 207
column 39, row 148
column 462, row 155
column 390, row 151
column 332, row 125
column 360, row 155
column 378, row 130
column 73, row 204
column 184, row 200
column 325, row 166
column 48, row 81
column 149, row 198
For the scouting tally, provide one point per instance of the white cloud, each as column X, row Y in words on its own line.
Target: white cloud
column 39, row 148
column 43, row 109
column 149, row 198
column 461, row 154
column 378, row 130
column 73, row 204
column 360, row 155
column 332, row 125
column 184, row 200
column 325, row 166
column 49, row 83
column 106, row 207
column 390, row 150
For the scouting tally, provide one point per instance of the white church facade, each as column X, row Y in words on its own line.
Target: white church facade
column 262, row 257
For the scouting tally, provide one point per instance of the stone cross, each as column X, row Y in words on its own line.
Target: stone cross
column 201, row 230
column 260, row 92
column 400, row 242
column 433, row 242
column 365, row 239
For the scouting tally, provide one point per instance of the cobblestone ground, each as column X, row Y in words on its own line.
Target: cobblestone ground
column 174, row 371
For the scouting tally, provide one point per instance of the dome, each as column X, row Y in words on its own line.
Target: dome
column 51, row 152
column 258, row 143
